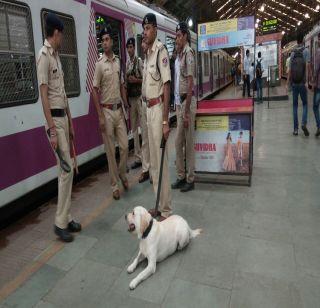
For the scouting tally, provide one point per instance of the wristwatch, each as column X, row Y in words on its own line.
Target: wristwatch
column 164, row 122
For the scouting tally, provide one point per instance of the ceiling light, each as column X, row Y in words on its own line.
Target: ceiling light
column 262, row 8
column 299, row 23
column 307, row 15
column 256, row 26
column 317, row 7
column 283, row 32
column 258, row 20
column 190, row 23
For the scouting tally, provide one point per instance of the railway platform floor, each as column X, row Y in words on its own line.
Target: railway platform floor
column 260, row 246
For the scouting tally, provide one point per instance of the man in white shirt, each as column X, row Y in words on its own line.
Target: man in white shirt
column 246, row 71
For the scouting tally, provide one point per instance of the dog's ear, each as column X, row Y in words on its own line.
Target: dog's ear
column 144, row 222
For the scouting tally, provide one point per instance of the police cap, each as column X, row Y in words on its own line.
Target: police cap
column 131, row 41
column 54, row 22
column 151, row 19
column 104, row 31
column 183, row 27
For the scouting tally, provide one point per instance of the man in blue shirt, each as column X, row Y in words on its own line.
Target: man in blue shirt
column 299, row 69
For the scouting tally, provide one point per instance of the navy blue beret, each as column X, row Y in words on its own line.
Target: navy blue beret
column 131, row 41
column 150, row 18
column 54, row 22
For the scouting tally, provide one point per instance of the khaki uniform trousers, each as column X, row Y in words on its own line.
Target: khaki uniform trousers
column 185, row 138
column 154, row 123
column 65, row 179
column 135, row 115
column 145, row 141
column 116, row 129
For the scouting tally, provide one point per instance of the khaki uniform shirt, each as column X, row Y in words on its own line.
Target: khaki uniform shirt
column 153, row 79
column 108, row 78
column 187, row 68
column 50, row 73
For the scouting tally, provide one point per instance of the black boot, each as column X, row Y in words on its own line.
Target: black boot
column 187, row 187
column 178, row 184
column 63, row 234
column 74, row 226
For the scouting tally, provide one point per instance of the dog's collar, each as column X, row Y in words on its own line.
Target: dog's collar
column 147, row 231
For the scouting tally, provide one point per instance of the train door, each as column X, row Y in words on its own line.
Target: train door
column 211, row 71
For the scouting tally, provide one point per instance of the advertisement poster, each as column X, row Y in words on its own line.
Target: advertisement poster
column 226, row 33
column 222, row 143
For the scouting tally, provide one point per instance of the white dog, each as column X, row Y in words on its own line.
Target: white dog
column 158, row 240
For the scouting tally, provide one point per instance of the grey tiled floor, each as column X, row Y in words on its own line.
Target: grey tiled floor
column 260, row 247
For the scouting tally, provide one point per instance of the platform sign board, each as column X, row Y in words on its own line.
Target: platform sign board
column 269, row 26
column 222, row 143
column 226, row 33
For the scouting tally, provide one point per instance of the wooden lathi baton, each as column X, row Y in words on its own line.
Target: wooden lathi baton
column 74, row 156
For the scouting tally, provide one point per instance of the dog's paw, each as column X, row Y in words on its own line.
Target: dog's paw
column 133, row 284
column 131, row 269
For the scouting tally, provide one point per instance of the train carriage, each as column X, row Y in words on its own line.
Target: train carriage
column 26, row 160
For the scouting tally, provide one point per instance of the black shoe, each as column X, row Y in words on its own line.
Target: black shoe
column 187, row 187
column 74, row 226
column 295, row 132
column 305, row 130
column 63, row 234
column 136, row 165
column 317, row 134
column 144, row 177
column 178, row 184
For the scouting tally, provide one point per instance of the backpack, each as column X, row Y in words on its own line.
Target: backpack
column 258, row 69
column 298, row 67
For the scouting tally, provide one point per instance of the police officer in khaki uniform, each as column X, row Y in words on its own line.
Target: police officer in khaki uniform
column 108, row 80
column 59, row 122
column 145, row 175
column 134, row 81
column 186, row 108
column 157, row 78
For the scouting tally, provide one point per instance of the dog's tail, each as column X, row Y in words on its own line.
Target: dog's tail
column 195, row 233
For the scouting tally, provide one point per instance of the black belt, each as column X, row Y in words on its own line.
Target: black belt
column 58, row 113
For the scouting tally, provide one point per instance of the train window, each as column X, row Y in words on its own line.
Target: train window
column 171, row 45
column 139, row 48
column 206, row 64
column 68, row 53
column 18, row 77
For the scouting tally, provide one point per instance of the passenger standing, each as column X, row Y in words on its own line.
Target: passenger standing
column 246, row 73
column 316, row 95
column 108, row 80
column 59, row 122
column 259, row 72
column 134, row 81
column 186, row 109
column 298, row 72
column 146, row 172
column 157, row 79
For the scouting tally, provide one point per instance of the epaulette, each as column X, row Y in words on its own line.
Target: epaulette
column 44, row 50
column 101, row 57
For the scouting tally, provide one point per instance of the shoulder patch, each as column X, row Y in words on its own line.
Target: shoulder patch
column 43, row 50
column 165, row 61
